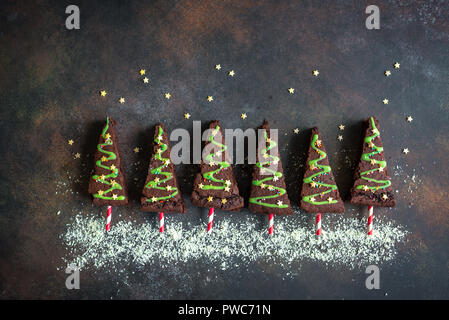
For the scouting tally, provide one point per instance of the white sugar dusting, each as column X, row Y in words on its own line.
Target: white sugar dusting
column 232, row 244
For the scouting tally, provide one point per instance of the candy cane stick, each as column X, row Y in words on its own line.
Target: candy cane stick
column 108, row 218
column 270, row 224
column 161, row 222
column 318, row 224
column 370, row 220
column 211, row 220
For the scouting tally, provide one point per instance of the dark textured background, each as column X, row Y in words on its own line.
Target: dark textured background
column 50, row 78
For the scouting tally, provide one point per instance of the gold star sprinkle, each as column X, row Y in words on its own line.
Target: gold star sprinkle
column 107, row 136
column 381, row 169
column 313, row 184
column 341, row 127
column 231, row 73
column 187, row 115
column 77, row 155
column 227, row 189
column 168, row 188
column 406, row 150
column 385, row 101
column 243, row 116
column 270, row 187
column 145, row 80
column 291, row 90
column 102, row 177
column 397, row 65
column 156, row 180
column 104, row 159
column 121, row 100
column 200, row 185
column 409, row 119
column 330, row 199
column 103, row 93
column 296, row 131
column 112, row 167
column 142, row 72
column 312, row 199
column 318, row 143
column 167, row 95
column 275, row 178
column 279, row 203
column 316, row 73
column 373, row 161
column 210, row 98
column 384, row 196
column 340, row 137
column 153, row 199
column 70, row 142
column 228, row 182
column 136, row 150
column 365, row 188
column 388, row 73
column 263, row 185
column 218, row 66
column 100, row 192
column 210, row 198
column 113, row 182
column 212, row 163
column 167, row 162
column 114, row 196
column 312, row 167
column 224, row 200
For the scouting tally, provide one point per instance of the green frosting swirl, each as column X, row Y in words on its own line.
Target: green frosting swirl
column 168, row 175
column 324, row 170
column 279, row 191
column 114, row 172
column 367, row 157
column 210, row 175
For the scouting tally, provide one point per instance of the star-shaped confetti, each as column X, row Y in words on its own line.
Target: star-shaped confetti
column 142, row 72
column 167, row 95
column 409, row 119
column 103, row 93
column 156, row 180
column 330, row 199
column 243, row 116
column 218, row 66
column 318, row 143
column 187, row 115
column 114, row 196
column 373, row 162
column 313, row 184
column 153, row 199
column 291, row 90
column 296, row 131
column 232, row 73
column 228, row 182
column 279, row 203
column 104, row 159
column 210, row 98
column 200, row 185
column 387, row 73
column 121, row 100
column 77, row 155
column 168, row 188
column 365, row 188
column 227, row 189
column 397, row 65
column 210, row 198
column 384, row 196
column 340, row 137
column 100, row 192
column 113, row 167
column 136, row 150
column 107, row 136
column 315, row 73
column 313, row 199
column 145, row 80
column 224, row 201
column 406, row 150
column 70, row 142
column 341, row 127
column 385, row 101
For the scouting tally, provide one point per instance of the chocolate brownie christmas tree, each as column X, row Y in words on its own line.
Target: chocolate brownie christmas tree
column 372, row 184
column 319, row 192
column 107, row 185
column 161, row 191
column 268, row 191
column 215, row 186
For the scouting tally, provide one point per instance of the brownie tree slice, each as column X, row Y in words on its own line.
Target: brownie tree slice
column 161, row 191
column 372, row 184
column 268, row 191
column 107, row 185
column 215, row 186
column 319, row 192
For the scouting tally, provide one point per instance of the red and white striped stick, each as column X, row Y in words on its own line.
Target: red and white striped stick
column 270, row 224
column 318, row 224
column 108, row 218
column 161, row 222
column 370, row 220
column 211, row 220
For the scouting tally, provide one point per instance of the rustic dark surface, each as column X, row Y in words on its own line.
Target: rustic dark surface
column 50, row 79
